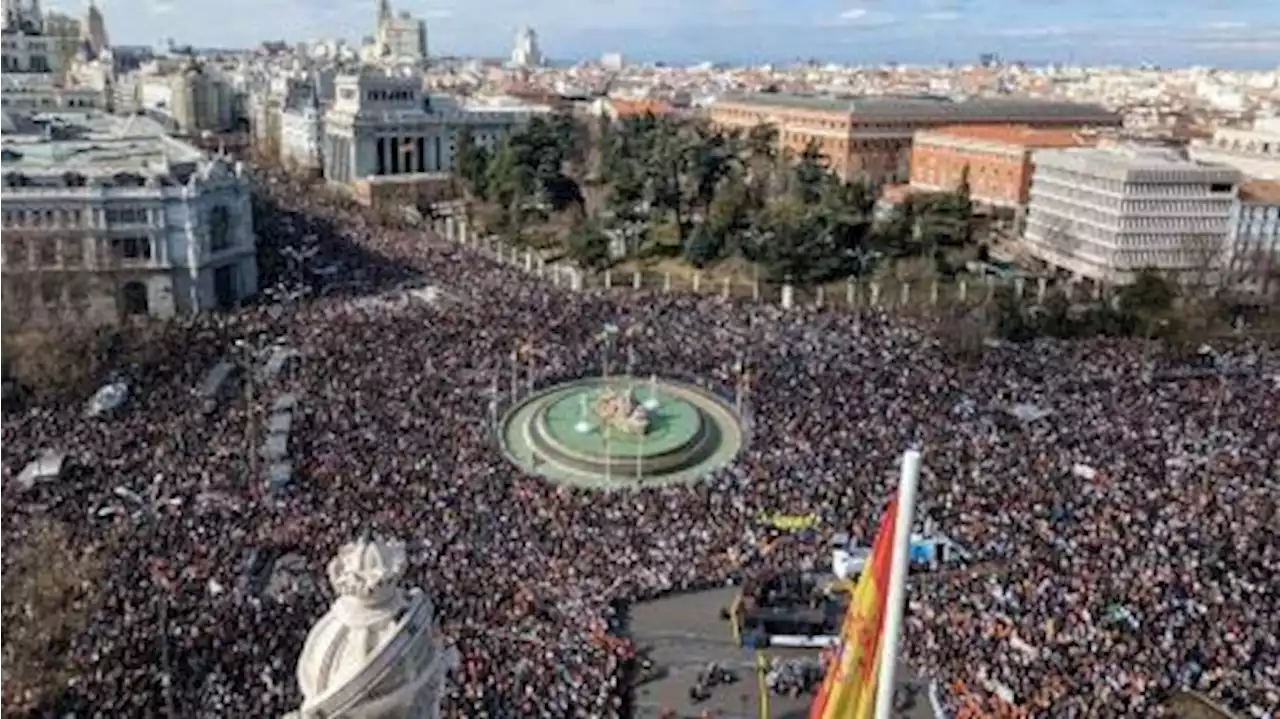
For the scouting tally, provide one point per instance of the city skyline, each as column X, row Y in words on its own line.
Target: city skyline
column 1228, row 33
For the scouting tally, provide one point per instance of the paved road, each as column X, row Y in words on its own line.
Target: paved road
column 685, row 633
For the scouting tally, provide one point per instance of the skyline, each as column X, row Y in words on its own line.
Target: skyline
column 1227, row 33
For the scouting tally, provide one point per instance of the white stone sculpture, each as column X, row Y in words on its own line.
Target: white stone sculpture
column 375, row 653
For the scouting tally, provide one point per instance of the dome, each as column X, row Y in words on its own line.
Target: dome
column 375, row 649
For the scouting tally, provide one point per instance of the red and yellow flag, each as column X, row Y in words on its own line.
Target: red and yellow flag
column 849, row 689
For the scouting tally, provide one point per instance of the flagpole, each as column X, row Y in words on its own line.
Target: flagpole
column 896, row 600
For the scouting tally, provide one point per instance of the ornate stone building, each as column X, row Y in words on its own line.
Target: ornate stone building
column 375, row 653
column 106, row 217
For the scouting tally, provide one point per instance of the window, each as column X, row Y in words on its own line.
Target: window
column 132, row 248
column 72, row 252
column 126, row 216
column 219, row 229
column 15, row 253
column 1220, row 187
column 47, row 253
column 50, row 290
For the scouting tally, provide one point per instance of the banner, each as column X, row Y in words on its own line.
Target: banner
column 789, row 522
column 849, row 689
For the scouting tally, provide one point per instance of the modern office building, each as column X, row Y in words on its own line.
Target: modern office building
column 526, row 53
column 108, row 217
column 384, row 125
column 1255, row 152
column 870, row 137
column 1107, row 213
column 995, row 159
column 1253, row 246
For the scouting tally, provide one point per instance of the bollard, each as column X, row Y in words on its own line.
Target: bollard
column 818, row 297
column 725, row 290
column 528, row 261
column 904, row 294
column 850, row 293
column 608, row 279
column 933, row 293
column 755, row 291
column 697, row 281
column 963, row 290
column 637, row 280
column 576, row 278
column 788, row 297
column 875, row 294
column 666, row 282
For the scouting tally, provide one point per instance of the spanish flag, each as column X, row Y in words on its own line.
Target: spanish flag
column 849, row 689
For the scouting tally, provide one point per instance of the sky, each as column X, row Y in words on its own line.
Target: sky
column 1228, row 33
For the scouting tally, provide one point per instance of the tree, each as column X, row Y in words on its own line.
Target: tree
column 471, row 164
column 51, row 584
column 703, row 247
column 588, row 244
column 1149, row 294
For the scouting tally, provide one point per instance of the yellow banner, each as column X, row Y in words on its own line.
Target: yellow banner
column 789, row 522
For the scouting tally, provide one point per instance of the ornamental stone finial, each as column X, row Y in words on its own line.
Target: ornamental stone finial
column 367, row 568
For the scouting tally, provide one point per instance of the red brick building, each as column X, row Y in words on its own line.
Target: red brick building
column 998, row 159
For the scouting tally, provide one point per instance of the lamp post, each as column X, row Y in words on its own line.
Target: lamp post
column 515, row 386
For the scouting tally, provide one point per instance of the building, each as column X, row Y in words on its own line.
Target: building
column 399, row 37
column 200, row 100
column 93, row 31
column 870, row 137
column 1106, row 213
column 1253, row 246
column 995, row 159
column 377, row 652
column 44, row 92
column 1255, row 152
column 26, row 47
column 301, row 128
column 383, row 127
column 526, row 53
column 107, row 217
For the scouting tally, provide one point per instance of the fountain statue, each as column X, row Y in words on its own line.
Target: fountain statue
column 620, row 411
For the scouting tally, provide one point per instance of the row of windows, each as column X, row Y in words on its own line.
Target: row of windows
column 69, row 252
column 51, row 291
column 1116, row 205
column 390, row 95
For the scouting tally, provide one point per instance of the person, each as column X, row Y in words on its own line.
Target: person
column 390, row 432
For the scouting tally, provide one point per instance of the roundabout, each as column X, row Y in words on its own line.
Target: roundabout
column 621, row 433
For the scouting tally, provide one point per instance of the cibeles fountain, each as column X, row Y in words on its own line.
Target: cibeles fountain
column 375, row 654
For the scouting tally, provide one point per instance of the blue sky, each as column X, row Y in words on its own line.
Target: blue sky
column 1174, row 32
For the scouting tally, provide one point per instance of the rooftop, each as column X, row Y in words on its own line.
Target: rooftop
column 1117, row 159
column 1021, row 135
column 930, row 106
column 1260, row 191
column 92, row 145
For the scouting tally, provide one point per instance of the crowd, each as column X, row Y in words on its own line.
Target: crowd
column 1091, row 594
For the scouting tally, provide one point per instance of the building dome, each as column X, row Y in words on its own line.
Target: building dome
column 374, row 653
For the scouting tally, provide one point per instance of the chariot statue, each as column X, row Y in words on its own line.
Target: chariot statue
column 621, row 411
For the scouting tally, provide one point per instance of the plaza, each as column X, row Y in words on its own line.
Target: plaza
column 622, row 433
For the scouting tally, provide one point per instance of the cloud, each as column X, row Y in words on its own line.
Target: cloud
column 941, row 15
column 864, row 18
column 1033, row 32
column 1227, row 25
column 160, row 7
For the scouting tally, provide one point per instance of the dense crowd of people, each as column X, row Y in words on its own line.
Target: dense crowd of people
column 1124, row 546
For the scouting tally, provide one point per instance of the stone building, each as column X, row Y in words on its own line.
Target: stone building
column 376, row 653
column 108, row 217
column 383, row 127
column 1253, row 245
column 870, row 137
column 1255, row 152
column 399, row 37
column 1107, row 213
